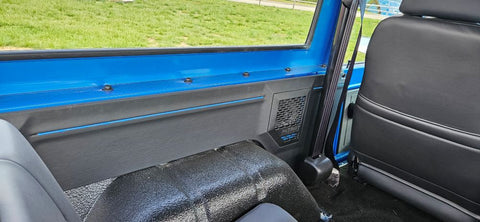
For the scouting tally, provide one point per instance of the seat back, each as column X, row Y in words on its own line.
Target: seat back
column 417, row 119
column 29, row 190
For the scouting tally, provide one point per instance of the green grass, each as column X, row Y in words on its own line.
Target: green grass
column 369, row 25
column 311, row 3
column 63, row 24
column 74, row 24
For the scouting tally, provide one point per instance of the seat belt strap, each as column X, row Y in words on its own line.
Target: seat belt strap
column 328, row 108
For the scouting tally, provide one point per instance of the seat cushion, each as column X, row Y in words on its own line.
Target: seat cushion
column 267, row 212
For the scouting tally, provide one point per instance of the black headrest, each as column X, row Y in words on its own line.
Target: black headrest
column 459, row 10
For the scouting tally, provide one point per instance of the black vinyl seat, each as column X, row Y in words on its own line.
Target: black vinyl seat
column 267, row 212
column 29, row 190
column 416, row 127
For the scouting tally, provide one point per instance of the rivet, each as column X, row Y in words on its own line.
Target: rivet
column 288, row 69
column 107, row 88
column 188, row 80
column 323, row 66
column 246, row 74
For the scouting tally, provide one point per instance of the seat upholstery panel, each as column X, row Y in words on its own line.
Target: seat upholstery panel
column 428, row 69
column 417, row 115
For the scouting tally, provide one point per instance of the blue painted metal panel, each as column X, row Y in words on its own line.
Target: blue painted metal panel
column 357, row 76
column 337, row 134
column 342, row 157
column 42, row 99
column 32, row 84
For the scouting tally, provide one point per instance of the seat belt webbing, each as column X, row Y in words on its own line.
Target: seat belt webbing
column 322, row 140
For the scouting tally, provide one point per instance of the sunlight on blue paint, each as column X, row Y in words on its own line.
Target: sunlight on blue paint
column 354, row 86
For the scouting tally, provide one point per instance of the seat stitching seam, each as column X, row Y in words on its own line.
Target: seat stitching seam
column 417, row 118
column 466, row 146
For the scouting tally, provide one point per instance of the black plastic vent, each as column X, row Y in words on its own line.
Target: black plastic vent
column 289, row 118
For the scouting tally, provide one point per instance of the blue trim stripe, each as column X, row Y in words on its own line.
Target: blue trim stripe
column 150, row 115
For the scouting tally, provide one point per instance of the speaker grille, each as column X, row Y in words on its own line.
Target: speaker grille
column 289, row 118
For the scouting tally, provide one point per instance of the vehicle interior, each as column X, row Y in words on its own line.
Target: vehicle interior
column 257, row 133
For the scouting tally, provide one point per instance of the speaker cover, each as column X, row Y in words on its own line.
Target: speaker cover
column 286, row 119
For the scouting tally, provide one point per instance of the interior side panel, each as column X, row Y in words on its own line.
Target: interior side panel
column 86, row 143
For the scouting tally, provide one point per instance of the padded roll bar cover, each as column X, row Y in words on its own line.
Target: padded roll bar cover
column 461, row 10
column 29, row 190
column 216, row 185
